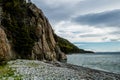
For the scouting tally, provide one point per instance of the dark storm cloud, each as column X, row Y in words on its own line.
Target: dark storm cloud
column 109, row 18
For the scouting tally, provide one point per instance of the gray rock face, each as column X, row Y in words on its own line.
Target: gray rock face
column 44, row 47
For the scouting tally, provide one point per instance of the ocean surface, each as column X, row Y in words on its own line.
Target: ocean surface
column 105, row 61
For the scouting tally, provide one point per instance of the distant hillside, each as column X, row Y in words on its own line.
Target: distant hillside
column 67, row 47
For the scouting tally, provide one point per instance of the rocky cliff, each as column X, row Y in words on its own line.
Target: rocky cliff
column 26, row 32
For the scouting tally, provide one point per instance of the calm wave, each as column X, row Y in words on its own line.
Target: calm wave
column 109, row 61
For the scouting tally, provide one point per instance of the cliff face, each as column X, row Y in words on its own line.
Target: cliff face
column 5, row 52
column 26, row 31
column 46, row 46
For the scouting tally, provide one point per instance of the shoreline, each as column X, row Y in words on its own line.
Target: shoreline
column 45, row 70
column 89, row 72
column 108, row 62
column 67, row 65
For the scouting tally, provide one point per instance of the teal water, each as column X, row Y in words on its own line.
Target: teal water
column 109, row 62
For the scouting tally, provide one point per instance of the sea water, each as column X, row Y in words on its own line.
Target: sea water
column 105, row 61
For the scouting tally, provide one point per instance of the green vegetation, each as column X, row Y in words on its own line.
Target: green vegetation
column 6, row 73
column 68, row 47
column 16, row 21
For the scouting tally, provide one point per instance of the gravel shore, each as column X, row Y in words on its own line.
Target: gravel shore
column 39, row 70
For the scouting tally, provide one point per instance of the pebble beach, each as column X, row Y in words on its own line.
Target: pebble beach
column 42, row 70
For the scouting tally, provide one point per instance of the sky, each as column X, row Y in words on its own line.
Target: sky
column 92, row 24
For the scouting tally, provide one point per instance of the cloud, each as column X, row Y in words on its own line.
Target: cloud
column 109, row 18
column 94, row 24
column 91, row 6
column 58, row 10
column 112, row 39
column 116, row 32
column 71, row 19
column 85, row 33
column 90, row 35
column 118, row 39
